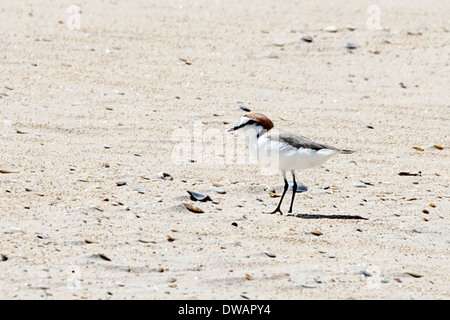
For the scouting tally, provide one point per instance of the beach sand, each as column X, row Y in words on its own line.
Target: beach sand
column 97, row 99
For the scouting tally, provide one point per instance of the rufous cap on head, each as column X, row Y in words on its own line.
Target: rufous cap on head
column 261, row 119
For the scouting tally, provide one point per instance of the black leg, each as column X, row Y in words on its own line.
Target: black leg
column 286, row 187
column 294, row 191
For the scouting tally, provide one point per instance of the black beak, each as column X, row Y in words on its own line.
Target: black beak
column 236, row 127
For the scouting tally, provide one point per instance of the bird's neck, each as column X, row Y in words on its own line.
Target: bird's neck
column 254, row 133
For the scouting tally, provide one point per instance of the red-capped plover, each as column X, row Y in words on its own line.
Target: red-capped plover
column 283, row 150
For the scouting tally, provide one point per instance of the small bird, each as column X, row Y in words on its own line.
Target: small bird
column 283, row 150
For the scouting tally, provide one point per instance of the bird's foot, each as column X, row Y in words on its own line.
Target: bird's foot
column 275, row 211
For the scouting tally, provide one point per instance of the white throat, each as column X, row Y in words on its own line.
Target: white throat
column 253, row 132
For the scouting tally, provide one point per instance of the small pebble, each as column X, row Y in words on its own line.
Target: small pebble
column 270, row 255
column 141, row 190
column 351, row 46
column 248, row 277
column 414, row 274
column 366, row 273
column 104, row 257
column 307, row 38
column 218, row 190
column 244, row 108
column 331, row 29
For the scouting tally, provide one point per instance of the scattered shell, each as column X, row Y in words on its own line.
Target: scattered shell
column 411, row 33
column 307, row 38
column 273, row 194
column 418, row 148
column 432, row 205
column 42, row 236
column 330, row 29
column 3, row 257
column 366, row 273
column 402, row 85
column 121, row 183
column 244, row 108
column 404, row 173
column 8, row 171
column 218, row 190
column 234, row 224
column 192, row 208
column 308, row 286
column 351, row 27
column 278, row 43
column 160, row 269
column 165, row 176
column 360, row 185
column 21, row 131
column 185, row 61
column 414, row 274
column 107, row 146
column 104, row 257
column 195, row 196
column 146, row 241
column 270, row 255
column 141, row 190
column 367, row 183
column 438, row 147
column 249, row 277
column 300, row 187
column 316, row 232
column 170, row 238
column 351, row 46
column 89, row 241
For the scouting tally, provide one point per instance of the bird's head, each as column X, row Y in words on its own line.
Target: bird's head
column 253, row 122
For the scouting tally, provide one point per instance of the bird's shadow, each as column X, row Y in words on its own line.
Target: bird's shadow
column 324, row 216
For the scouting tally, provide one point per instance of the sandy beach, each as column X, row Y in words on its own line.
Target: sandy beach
column 110, row 111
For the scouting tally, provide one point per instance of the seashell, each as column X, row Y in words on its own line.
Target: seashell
column 218, row 190
column 198, row 196
column 300, row 187
column 192, row 208
column 331, row 29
